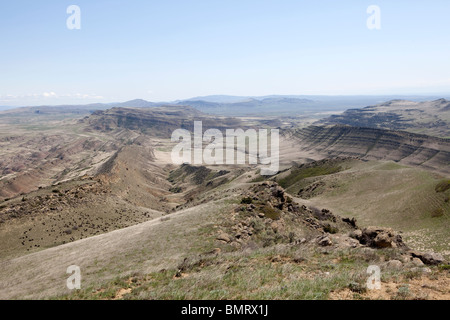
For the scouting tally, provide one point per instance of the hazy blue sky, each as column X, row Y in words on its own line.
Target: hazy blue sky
column 167, row 50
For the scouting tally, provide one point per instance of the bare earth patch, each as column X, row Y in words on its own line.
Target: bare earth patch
column 436, row 287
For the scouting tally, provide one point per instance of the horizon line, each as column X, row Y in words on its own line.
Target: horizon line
column 199, row 98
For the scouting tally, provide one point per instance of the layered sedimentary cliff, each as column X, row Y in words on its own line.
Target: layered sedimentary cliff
column 376, row 144
column 161, row 121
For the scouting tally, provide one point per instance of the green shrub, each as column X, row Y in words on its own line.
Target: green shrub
column 443, row 186
column 271, row 213
column 176, row 189
column 330, row 229
column 298, row 174
column 357, row 287
column 403, row 293
column 436, row 213
column 257, row 225
column 246, row 200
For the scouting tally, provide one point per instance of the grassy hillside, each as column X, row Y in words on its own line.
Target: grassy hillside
column 387, row 194
column 247, row 254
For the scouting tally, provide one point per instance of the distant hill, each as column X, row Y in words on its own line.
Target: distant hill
column 287, row 104
column 158, row 121
column 254, row 106
column 218, row 99
column 429, row 117
column 277, row 105
column 375, row 144
column 137, row 103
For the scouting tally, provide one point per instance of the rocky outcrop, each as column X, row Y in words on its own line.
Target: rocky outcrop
column 376, row 237
column 268, row 215
column 429, row 258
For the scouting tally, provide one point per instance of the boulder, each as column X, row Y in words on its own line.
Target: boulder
column 417, row 262
column 325, row 242
column 376, row 237
column 276, row 226
column 426, row 270
column 351, row 221
column 356, row 234
column 224, row 237
column 383, row 240
column 394, row 264
column 423, row 270
column 278, row 192
column 347, row 242
column 429, row 258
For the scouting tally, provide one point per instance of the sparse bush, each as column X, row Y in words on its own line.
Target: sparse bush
column 436, row 213
column 257, row 225
column 246, row 200
column 403, row 293
column 330, row 228
column 316, row 211
column 412, row 274
column 443, row 186
column 271, row 213
column 357, row 287
column 176, row 189
column 291, row 237
column 268, row 242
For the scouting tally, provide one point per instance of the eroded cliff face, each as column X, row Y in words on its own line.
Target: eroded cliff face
column 376, row 144
column 160, row 122
column 428, row 117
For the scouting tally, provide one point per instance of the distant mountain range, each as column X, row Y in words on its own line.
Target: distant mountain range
column 240, row 105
